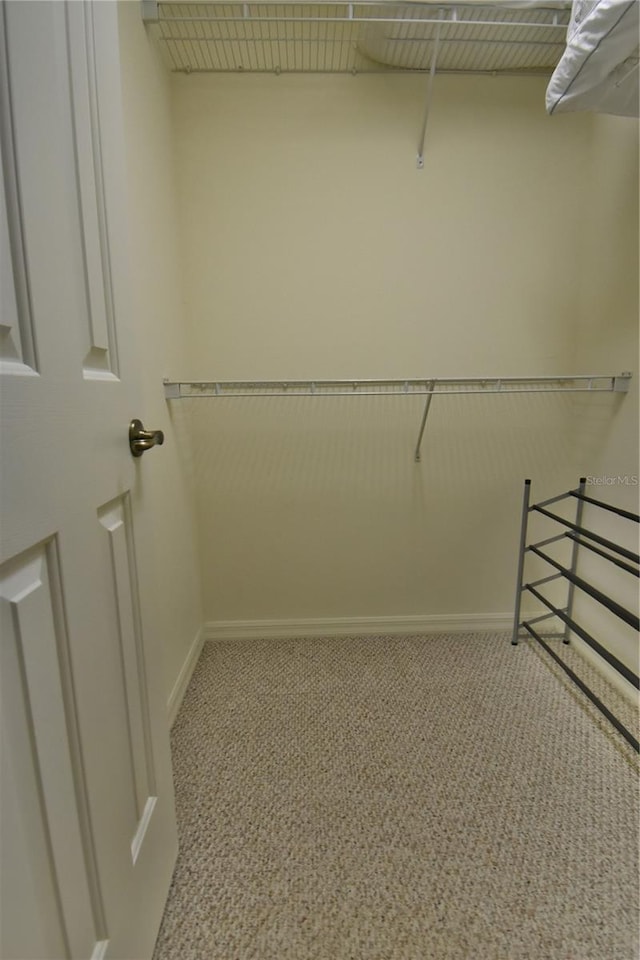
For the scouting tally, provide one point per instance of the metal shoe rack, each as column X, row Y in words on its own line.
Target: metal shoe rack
column 582, row 539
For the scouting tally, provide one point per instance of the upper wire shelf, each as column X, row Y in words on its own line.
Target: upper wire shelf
column 372, row 37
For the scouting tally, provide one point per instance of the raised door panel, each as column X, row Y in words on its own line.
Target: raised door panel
column 101, row 357
column 120, row 587
column 17, row 336
column 42, row 225
column 50, row 891
column 17, row 342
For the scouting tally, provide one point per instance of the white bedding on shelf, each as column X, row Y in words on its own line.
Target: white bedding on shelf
column 599, row 68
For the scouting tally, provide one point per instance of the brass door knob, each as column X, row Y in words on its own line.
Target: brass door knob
column 141, row 439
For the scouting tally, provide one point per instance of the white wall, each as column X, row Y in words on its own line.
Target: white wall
column 314, row 248
column 166, row 496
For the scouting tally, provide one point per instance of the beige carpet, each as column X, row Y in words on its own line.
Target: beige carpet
column 414, row 798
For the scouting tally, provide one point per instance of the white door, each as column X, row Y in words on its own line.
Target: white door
column 88, row 837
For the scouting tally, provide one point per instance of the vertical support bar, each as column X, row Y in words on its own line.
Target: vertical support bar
column 427, row 107
column 621, row 383
column 149, row 9
column 523, row 542
column 574, row 560
column 424, row 419
column 171, row 390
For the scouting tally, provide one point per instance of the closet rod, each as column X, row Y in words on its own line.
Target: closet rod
column 459, row 23
column 587, row 383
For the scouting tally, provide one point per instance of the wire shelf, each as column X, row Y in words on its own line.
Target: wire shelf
column 356, row 37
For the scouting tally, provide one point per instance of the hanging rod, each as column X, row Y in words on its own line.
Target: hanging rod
column 591, row 383
column 427, row 387
column 459, row 16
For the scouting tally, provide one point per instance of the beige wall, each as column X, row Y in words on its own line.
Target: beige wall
column 314, row 248
column 608, row 448
column 166, row 496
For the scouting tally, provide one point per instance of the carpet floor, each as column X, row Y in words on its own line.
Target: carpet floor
column 398, row 798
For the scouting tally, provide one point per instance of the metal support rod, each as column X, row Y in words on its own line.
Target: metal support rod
column 574, row 559
column 622, row 551
column 618, row 665
column 579, row 494
column 427, row 106
column 424, row 421
column 601, row 553
column 542, row 580
column 586, row 690
column 544, row 543
column 546, row 503
column 545, row 616
column 523, row 539
column 619, row 611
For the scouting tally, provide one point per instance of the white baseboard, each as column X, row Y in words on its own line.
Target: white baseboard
column 187, row 668
column 357, row 626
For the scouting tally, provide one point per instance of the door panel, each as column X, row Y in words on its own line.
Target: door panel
column 15, row 322
column 88, row 826
column 101, row 359
column 43, row 766
column 121, row 584
column 17, row 347
column 32, row 923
